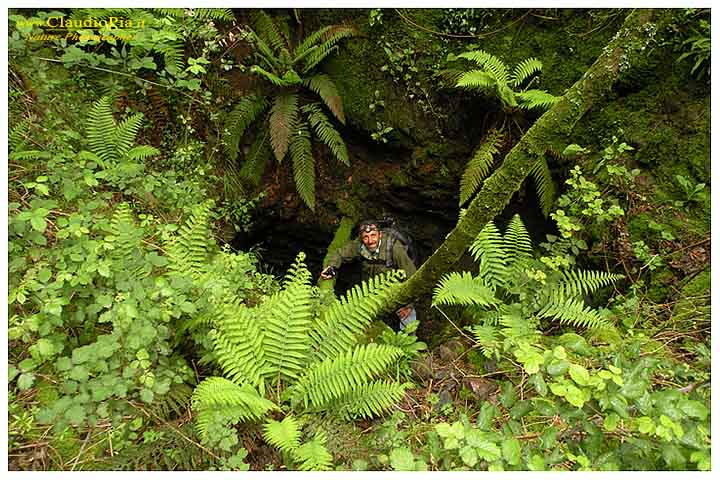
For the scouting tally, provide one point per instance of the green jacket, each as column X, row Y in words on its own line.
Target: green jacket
column 372, row 264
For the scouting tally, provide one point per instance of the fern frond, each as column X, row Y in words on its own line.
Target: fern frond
column 488, row 249
column 257, row 158
column 239, row 119
column 217, row 398
column 341, row 322
column 286, row 326
column 141, row 152
column 239, row 344
column 369, row 400
column 124, row 236
column 516, row 327
column 325, row 87
column 325, row 131
column 303, row 164
column 331, row 379
column 173, row 57
column 284, row 435
column 283, row 123
column 525, row 70
column 101, row 129
column 536, row 99
column 486, row 337
column 462, row 289
column 124, row 135
column 518, row 244
column 19, row 134
column 224, row 14
column 490, row 63
column 578, row 283
column 544, row 185
column 330, row 38
column 479, row 165
column 175, row 402
column 269, row 76
column 476, row 80
column 188, row 251
column 313, row 455
column 572, row 311
column 449, row 76
column 298, row 273
column 309, row 42
column 266, row 29
column 29, row 155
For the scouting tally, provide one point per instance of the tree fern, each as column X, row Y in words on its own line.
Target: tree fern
column 525, row 70
column 303, row 164
column 283, row 435
column 341, row 322
column 544, row 185
column 245, row 112
column 325, row 131
column 479, row 165
column 325, row 87
column 283, row 123
column 334, row 377
column 462, row 289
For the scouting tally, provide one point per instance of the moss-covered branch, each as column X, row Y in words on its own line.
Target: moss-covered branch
column 633, row 41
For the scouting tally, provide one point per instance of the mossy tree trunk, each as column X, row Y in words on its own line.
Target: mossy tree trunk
column 551, row 132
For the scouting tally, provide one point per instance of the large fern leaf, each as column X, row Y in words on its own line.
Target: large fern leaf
column 325, row 87
column 525, row 70
column 369, row 400
column 331, row 379
column 239, row 344
column 487, row 339
column 329, row 39
column 303, row 164
column 283, row 123
column 479, row 165
column 267, row 29
column 462, row 289
column 217, row 398
column 284, row 435
column 325, row 131
column 189, row 250
column 518, row 244
column 476, row 80
column 313, row 455
column 341, row 322
column 257, row 158
column 576, row 283
column 101, row 129
column 572, row 311
column 241, row 117
column 539, row 99
column 490, row 63
column 544, row 185
column 488, row 249
column 124, row 135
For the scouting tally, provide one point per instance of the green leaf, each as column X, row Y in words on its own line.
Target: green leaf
column 645, row 424
column 488, row 451
column 579, row 374
column 63, row 364
column 45, row 347
column 79, row 373
column 468, row 455
column 27, row 365
column 693, row 408
column 26, row 381
column 44, row 275
column 557, row 367
column 38, row 223
column 536, row 463
column 75, row 414
column 147, row 395
column 611, row 421
column 402, row 459
column 511, row 451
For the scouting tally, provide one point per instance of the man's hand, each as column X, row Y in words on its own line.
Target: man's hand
column 404, row 312
column 328, row 273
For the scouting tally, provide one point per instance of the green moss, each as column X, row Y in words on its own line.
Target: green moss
column 694, row 302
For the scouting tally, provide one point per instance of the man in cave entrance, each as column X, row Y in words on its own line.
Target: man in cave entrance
column 379, row 252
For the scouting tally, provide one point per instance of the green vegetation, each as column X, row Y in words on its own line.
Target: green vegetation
column 153, row 325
